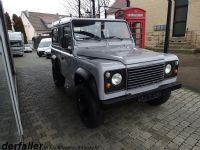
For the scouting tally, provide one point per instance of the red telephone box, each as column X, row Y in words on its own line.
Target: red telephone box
column 136, row 19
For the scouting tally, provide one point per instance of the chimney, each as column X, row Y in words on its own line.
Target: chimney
column 27, row 13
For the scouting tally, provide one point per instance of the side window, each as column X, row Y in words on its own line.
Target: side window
column 67, row 33
column 55, row 35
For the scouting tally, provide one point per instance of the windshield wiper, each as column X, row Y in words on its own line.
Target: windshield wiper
column 114, row 37
column 92, row 38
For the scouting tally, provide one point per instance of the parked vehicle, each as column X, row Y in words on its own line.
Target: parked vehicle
column 100, row 59
column 28, row 48
column 36, row 40
column 43, row 46
column 16, row 43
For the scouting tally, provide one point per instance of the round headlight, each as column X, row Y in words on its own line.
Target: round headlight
column 116, row 79
column 168, row 68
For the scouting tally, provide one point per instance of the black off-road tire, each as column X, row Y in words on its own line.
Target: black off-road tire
column 160, row 100
column 58, row 78
column 89, row 109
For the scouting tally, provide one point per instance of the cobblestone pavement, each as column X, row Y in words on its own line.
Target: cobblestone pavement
column 189, row 71
column 49, row 116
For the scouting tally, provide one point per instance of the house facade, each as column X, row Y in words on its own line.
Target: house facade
column 185, row 22
column 37, row 24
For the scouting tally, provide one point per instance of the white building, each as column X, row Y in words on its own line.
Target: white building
column 36, row 23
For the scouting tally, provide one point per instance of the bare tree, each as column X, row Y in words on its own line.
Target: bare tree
column 104, row 4
column 72, row 7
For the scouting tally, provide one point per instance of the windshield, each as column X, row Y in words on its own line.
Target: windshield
column 16, row 43
column 99, row 30
column 44, row 44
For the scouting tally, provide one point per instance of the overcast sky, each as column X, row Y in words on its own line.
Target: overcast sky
column 46, row 6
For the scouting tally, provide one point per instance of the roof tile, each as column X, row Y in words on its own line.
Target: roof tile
column 40, row 20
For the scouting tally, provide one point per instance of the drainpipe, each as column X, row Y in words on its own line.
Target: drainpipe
column 168, row 26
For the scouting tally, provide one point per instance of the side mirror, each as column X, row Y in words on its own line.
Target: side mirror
column 64, row 42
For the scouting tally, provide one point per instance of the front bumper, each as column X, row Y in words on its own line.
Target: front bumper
column 144, row 96
column 28, row 50
column 41, row 52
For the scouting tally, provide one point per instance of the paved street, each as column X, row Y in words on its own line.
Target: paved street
column 189, row 71
column 49, row 116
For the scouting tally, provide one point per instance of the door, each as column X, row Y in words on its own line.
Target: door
column 137, row 29
column 67, row 59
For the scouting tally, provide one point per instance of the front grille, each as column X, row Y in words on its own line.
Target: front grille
column 146, row 75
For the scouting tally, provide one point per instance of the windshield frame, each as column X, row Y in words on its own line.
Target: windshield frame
column 121, row 39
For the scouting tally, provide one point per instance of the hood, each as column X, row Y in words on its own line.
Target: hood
column 43, row 48
column 125, row 55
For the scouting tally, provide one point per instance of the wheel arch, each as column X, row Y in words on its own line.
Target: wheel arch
column 84, row 76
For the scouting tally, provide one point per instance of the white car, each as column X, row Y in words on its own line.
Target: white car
column 28, row 48
column 43, row 46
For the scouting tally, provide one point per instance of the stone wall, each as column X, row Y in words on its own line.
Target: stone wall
column 156, row 14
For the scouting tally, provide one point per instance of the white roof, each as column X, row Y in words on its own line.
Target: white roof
column 15, row 35
column 69, row 19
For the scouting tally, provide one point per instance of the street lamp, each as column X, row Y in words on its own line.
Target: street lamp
column 168, row 26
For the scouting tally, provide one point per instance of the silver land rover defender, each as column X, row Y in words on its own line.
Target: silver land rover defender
column 99, row 57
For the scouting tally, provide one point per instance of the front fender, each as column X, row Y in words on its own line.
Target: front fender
column 84, row 76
